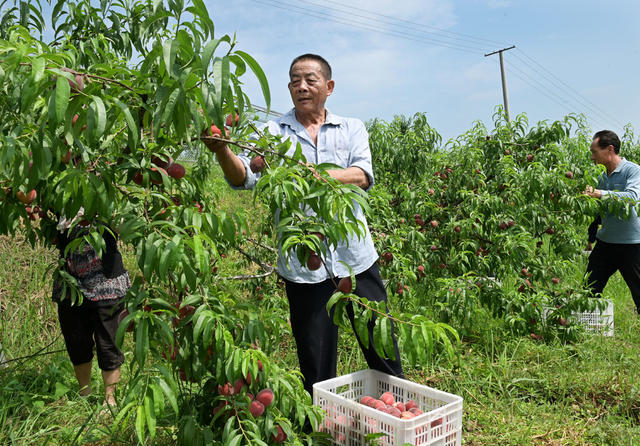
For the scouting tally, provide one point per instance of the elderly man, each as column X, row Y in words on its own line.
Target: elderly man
column 618, row 241
column 324, row 138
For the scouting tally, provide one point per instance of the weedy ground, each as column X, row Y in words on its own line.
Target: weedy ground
column 516, row 391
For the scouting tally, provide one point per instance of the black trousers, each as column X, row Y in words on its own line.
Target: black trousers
column 317, row 336
column 89, row 325
column 607, row 258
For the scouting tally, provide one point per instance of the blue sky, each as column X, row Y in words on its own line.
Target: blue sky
column 571, row 56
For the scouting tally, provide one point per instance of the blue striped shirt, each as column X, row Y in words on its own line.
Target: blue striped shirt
column 341, row 141
column 624, row 181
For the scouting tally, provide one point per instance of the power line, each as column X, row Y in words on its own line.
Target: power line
column 594, row 106
column 397, row 22
column 570, row 100
column 322, row 15
column 372, row 24
column 544, row 92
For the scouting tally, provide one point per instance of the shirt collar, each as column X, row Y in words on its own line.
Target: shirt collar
column 619, row 167
column 289, row 119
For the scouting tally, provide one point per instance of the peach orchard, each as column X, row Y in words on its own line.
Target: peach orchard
column 96, row 118
column 97, row 124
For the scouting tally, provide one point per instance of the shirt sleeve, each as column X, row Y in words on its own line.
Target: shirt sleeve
column 632, row 188
column 360, row 151
column 250, row 178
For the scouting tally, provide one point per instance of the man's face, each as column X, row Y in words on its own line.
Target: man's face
column 308, row 87
column 600, row 154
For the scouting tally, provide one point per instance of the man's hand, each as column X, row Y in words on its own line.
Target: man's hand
column 213, row 143
column 591, row 192
column 313, row 170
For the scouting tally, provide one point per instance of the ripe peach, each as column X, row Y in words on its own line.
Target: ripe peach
column 257, row 164
column 388, row 398
column 28, row 197
column 407, row 415
column 156, row 175
column 256, row 408
column 161, row 161
column 410, row 404
column 366, row 400
column 394, row 411
column 225, row 390
column 379, row 405
column 415, row 411
column 400, row 406
column 280, row 437
column 265, row 396
column 176, row 171
column 230, row 121
column 215, row 131
column 237, row 386
column 314, row 262
column 345, row 285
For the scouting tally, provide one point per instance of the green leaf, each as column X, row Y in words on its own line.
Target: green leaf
column 150, row 413
column 96, row 118
column 142, row 341
column 140, row 419
column 262, row 79
column 63, row 92
column 169, row 393
column 169, row 49
column 209, row 49
column 134, row 131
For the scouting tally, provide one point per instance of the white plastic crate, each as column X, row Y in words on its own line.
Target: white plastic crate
column 601, row 322
column 596, row 321
column 349, row 422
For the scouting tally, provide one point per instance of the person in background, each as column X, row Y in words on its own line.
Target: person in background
column 324, row 138
column 618, row 240
column 103, row 282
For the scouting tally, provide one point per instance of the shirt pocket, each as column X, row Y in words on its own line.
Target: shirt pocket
column 617, row 185
column 338, row 150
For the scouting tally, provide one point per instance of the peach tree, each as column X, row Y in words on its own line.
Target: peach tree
column 97, row 113
column 491, row 226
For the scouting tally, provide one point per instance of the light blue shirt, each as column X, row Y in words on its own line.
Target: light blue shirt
column 624, row 181
column 341, row 141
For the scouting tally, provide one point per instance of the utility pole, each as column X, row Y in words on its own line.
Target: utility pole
column 504, row 80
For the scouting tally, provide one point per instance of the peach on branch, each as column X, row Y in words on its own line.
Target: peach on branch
column 137, row 178
column 156, row 175
column 256, row 408
column 345, row 285
column 237, row 386
column 314, row 262
column 176, row 171
column 257, row 164
column 280, row 436
column 161, row 161
column 265, row 396
column 27, row 198
column 230, row 121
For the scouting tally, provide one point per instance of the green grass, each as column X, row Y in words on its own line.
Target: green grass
column 516, row 391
